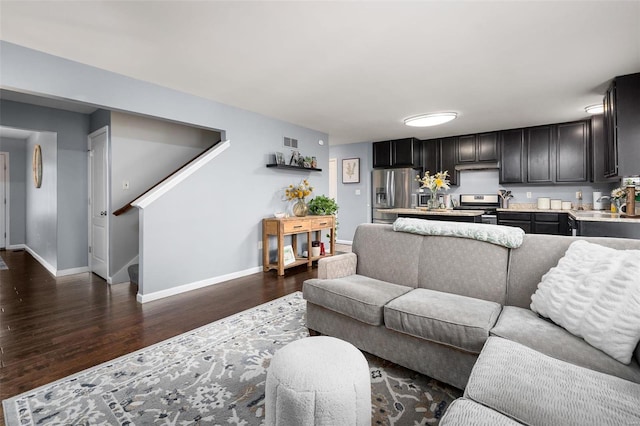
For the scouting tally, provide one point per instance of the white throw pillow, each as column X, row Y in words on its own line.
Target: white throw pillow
column 594, row 293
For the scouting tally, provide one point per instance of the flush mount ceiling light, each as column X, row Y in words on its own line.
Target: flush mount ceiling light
column 595, row 109
column 426, row 120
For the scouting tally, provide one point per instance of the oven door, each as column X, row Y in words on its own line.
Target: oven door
column 490, row 219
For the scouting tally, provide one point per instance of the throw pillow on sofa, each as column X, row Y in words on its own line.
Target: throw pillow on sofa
column 594, row 293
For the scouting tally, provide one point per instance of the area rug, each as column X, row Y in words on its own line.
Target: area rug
column 214, row 375
column 3, row 265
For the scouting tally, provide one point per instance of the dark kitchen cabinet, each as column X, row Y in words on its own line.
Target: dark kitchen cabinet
column 540, row 156
column 572, row 152
column 512, row 156
column 598, row 151
column 382, row 154
column 482, row 147
column 536, row 222
column 397, row 153
column 622, row 126
column 518, row 219
column 430, row 155
column 448, row 156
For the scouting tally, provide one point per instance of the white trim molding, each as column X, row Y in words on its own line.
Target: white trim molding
column 181, row 175
column 49, row 267
column 144, row 298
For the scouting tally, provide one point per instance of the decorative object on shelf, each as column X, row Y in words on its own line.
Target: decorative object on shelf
column 279, row 158
column 295, row 157
column 351, row 170
column 314, row 162
column 434, row 183
column 505, row 196
column 37, row 166
column 618, row 196
column 307, row 162
column 299, row 193
column 315, row 248
column 289, row 256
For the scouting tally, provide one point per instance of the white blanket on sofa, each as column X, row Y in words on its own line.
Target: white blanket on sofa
column 507, row 236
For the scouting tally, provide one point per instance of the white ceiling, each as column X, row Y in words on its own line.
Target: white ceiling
column 354, row 69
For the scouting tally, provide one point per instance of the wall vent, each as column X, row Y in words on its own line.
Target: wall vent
column 290, row 142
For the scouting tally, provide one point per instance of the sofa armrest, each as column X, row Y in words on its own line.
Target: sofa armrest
column 338, row 266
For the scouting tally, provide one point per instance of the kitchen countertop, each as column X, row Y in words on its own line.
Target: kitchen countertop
column 585, row 215
column 434, row 212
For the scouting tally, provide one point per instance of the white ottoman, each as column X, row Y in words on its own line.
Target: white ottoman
column 318, row 381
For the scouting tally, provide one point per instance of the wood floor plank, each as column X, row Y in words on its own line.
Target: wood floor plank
column 53, row 327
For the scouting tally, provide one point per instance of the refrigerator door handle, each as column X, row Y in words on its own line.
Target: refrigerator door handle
column 391, row 187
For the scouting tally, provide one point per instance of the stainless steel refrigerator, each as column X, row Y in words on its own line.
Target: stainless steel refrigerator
column 393, row 189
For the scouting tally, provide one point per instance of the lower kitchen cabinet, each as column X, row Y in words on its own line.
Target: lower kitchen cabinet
column 536, row 222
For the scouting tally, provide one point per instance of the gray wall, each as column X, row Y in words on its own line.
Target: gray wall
column 72, row 130
column 354, row 209
column 98, row 119
column 143, row 152
column 226, row 225
column 42, row 203
column 17, row 149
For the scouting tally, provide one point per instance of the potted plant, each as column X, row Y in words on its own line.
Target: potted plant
column 323, row 205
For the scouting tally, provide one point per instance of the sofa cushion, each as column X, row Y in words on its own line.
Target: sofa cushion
column 536, row 389
column 465, row 412
column 356, row 296
column 453, row 320
column 526, row 327
column 594, row 293
column 387, row 255
column 480, row 273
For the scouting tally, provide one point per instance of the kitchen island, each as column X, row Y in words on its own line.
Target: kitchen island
column 443, row 214
column 599, row 223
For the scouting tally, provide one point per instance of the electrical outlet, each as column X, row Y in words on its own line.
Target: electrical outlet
column 357, row 192
column 125, row 184
column 579, row 194
column 528, row 195
column 259, row 245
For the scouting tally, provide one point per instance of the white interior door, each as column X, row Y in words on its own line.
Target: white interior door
column 3, row 200
column 98, row 203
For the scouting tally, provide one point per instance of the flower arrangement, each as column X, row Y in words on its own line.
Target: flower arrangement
column 434, row 183
column 618, row 194
column 299, row 192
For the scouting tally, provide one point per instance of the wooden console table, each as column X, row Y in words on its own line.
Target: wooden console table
column 293, row 226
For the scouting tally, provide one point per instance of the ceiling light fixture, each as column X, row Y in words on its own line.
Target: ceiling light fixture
column 426, row 120
column 595, row 109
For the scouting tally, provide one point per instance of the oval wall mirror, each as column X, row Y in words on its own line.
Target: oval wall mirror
column 37, row 166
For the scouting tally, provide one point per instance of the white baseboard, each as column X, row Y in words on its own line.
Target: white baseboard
column 72, row 271
column 52, row 270
column 144, row 298
column 344, row 242
column 17, row 247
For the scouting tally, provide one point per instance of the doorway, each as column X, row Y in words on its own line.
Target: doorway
column 98, row 202
column 333, row 178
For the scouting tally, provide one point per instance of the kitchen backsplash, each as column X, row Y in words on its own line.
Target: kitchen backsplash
column 486, row 182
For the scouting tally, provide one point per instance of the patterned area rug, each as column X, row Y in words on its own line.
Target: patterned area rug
column 214, row 375
column 2, row 264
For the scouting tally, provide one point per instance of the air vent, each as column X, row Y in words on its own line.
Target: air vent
column 290, row 142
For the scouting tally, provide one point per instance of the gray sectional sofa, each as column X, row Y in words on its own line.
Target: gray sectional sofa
column 446, row 306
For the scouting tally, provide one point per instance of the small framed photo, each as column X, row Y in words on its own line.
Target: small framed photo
column 289, row 256
column 351, row 170
column 279, row 158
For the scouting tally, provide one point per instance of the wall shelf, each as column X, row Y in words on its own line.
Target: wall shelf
column 284, row 166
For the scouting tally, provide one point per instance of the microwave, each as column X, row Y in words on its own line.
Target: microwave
column 423, row 199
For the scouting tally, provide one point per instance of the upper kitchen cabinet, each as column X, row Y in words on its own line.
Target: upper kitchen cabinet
column 448, row 157
column 572, row 152
column 512, row 156
column 397, row 153
column 478, row 148
column 557, row 153
column 540, row 155
column 622, row 126
column 601, row 168
column 431, row 155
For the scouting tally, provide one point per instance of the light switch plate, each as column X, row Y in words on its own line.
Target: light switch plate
column 357, row 192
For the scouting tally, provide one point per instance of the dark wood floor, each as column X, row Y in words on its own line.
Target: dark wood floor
column 52, row 327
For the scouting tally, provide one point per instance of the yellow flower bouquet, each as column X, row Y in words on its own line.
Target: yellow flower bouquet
column 299, row 193
column 434, row 183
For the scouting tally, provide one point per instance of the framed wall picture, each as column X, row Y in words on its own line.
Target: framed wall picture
column 351, row 170
column 279, row 158
column 289, row 256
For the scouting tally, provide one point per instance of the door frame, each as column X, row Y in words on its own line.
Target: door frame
column 7, row 200
column 104, row 129
column 333, row 178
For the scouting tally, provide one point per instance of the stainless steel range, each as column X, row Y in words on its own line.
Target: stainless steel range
column 489, row 203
